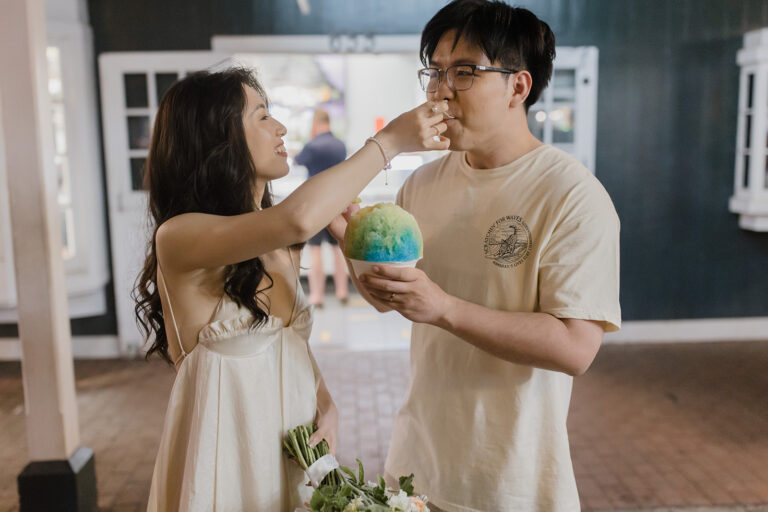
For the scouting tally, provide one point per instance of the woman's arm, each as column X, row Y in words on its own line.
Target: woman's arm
column 196, row 240
column 326, row 414
column 326, row 418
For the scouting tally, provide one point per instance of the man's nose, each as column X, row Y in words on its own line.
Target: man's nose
column 443, row 92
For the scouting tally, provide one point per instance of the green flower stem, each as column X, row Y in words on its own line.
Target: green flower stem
column 297, row 448
column 312, row 458
column 296, row 445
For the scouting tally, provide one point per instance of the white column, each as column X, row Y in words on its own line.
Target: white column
column 49, row 391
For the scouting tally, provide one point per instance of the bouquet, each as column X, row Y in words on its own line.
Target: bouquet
column 338, row 488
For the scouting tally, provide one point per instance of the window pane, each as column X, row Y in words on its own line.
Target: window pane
column 562, row 124
column 564, row 85
column 138, row 132
column 750, row 86
column 164, row 81
column 59, row 128
column 748, row 132
column 137, row 173
column 536, row 119
column 135, row 90
column 53, row 56
column 64, row 238
column 63, row 180
column 746, row 171
column 68, row 249
column 60, row 158
column 765, row 178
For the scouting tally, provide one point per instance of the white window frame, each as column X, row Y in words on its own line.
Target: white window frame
column 87, row 272
column 750, row 200
column 583, row 61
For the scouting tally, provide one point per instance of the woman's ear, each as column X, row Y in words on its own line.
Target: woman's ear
column 519, row 87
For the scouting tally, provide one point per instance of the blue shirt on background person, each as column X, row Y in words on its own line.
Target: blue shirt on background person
column 322, row 152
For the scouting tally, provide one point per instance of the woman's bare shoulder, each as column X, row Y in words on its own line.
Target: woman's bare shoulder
column 185, row 221
column 178, row 233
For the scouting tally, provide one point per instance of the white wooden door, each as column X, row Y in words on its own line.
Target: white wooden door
column 132, row 85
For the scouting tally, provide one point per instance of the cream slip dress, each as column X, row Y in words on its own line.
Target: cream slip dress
column 235, row 395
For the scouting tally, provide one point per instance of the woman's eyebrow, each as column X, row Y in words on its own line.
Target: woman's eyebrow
column 260, row 106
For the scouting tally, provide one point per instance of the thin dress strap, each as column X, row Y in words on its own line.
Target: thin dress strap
column 298, row 288
column 173, row 318
column 293, row 266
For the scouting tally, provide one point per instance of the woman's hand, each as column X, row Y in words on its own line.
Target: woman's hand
column 338, row 225
column 327, row 421
column 416, row 130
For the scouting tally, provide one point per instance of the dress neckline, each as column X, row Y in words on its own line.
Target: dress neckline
column 247, row 312
column 271, row 319
column 292, row 317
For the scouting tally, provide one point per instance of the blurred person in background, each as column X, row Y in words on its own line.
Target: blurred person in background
column 320, row 153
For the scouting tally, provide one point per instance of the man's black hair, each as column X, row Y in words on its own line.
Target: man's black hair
column 511, row 36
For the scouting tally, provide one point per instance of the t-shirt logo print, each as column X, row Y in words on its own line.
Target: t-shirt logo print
column 508, row 243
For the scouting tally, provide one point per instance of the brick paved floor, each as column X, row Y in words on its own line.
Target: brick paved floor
column 653, row 427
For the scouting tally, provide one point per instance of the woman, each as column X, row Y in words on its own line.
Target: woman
column 220, row 292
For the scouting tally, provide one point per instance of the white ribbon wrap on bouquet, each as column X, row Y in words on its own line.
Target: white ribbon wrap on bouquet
column 321, row 467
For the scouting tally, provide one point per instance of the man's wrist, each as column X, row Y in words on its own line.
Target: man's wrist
column 446, row 318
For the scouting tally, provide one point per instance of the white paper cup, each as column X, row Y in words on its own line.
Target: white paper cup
column 364, row 267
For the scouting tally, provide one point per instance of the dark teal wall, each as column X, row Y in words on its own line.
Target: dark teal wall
column 666, row 121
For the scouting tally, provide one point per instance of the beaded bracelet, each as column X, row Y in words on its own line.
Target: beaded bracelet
column 387, row 161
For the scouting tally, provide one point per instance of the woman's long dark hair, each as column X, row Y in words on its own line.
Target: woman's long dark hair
column 199, row 162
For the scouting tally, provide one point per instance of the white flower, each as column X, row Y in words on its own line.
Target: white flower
column 419, row 504
column 400, row 502
column 355, row 505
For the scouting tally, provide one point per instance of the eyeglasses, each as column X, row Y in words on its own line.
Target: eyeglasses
column 458, row 77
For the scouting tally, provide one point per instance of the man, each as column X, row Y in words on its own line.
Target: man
column 320, row 153
column 519, row 280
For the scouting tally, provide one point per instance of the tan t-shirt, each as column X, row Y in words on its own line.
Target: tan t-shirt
column 538, row 234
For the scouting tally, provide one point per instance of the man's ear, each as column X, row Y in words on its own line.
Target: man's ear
column 519, row 88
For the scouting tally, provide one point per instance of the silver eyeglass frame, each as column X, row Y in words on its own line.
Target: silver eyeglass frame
column 441, row 72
